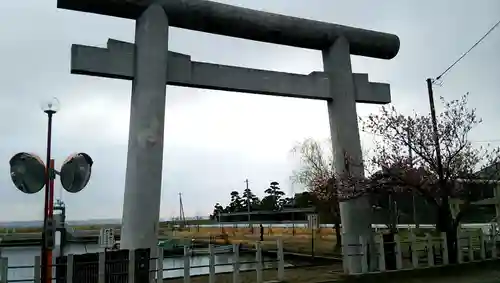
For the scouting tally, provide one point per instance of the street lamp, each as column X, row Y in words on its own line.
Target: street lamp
column 29, row 174
column 50, row 107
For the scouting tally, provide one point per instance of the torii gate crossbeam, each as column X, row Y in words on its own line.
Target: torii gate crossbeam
column 117, row 61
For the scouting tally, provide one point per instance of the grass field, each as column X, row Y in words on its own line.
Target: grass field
column 190, row 222
column 301, row 241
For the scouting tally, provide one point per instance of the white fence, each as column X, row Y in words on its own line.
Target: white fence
column 411, row 251
column 157, row 266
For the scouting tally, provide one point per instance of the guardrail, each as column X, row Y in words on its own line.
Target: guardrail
column 22, row 236
column 412, row 252
column 71, row 234
column 103, row 270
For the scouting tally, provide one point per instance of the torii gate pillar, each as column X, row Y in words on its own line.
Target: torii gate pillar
column 346, row 144
column 141, row 204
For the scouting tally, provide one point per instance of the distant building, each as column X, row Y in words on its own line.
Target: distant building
column 263, row 216
column 480, row 190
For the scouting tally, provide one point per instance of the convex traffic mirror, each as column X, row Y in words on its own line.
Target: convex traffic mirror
column 75, row 172
column 28, row 172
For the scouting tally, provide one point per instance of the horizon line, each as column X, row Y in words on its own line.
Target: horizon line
column 102, row 219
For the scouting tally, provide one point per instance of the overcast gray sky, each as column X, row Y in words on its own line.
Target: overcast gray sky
column 215, row 140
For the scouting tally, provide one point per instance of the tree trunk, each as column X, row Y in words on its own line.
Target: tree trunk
column 338, row 234
column 336, row 220
column 446, row 223
column 452, row 241
column 389, row 250
column 393, row 220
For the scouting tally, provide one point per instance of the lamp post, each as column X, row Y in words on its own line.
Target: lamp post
column 50, row 108
column 29, row 174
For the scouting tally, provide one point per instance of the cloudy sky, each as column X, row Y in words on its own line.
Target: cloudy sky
column 215, row 140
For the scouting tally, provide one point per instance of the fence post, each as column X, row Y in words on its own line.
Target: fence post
column 4, row 270
column 159, row 266
column 430, row 249
column 36, row 272
column 482, row 245
column 281, row 260
column 102, row 268
column 69, row 268
column 187, row 267
column 460, row 256
column 381, row 253
column 399, row 253
column 364, row 254
column 131, row 266
column 446, row 260
column 471, row 248
column 413, row 248
column 236, row 263
column 258, row 259
column 345, row 255
column 494, row 247
column 211, row 264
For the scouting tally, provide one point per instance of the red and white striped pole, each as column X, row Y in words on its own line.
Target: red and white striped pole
column 50, row 215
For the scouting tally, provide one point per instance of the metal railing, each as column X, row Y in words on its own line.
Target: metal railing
column 107, row 269
column 412, row 252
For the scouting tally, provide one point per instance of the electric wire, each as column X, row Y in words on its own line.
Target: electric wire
column 468, row 51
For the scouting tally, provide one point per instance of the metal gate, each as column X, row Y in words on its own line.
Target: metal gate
column 86, row 267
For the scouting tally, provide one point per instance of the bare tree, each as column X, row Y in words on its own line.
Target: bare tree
column 316, row 175
column 418, row 172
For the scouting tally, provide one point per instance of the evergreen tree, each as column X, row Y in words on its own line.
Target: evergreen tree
column 236, row 204
column 250, row 199
column 272, row 200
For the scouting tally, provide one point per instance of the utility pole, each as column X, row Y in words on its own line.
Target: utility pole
column 443, row 188
column 182, row 219
column 410, row 157
column 248, row 204
column 410, row 152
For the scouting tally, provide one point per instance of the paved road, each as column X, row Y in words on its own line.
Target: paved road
column 492, row 276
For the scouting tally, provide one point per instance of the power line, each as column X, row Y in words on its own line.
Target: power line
column 468, row 51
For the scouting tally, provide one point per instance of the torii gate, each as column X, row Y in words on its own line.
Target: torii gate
column 150, row 66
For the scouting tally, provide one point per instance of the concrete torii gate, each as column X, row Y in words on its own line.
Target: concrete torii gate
column 150, row 66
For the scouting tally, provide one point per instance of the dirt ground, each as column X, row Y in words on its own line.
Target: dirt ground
column 302, row 242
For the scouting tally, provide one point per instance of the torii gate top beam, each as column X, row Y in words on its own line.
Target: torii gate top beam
column 223, row 19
